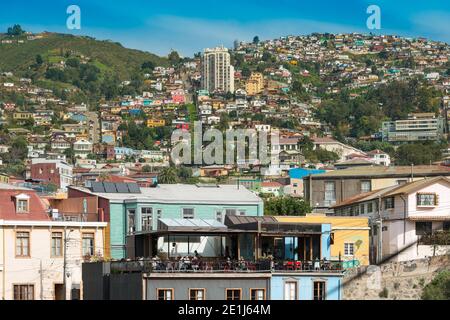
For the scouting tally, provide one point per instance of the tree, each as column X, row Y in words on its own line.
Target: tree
column 146, row 168
column 439, row 288
column 39, row 60
column 15, row 30
column 246, row 72
column 70, row 154
column 418, row 153
column 286, row 206
column 256, row 40
column 168, row 176
column 174, row 57
column 149, row 65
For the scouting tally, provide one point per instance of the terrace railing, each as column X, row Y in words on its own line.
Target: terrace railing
column 223, row 266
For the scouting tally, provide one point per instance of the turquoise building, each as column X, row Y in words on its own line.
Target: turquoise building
column 134, row 213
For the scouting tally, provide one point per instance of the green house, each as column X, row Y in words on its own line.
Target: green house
column 135, row 214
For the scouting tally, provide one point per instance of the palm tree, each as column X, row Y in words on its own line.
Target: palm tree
column 168, row 176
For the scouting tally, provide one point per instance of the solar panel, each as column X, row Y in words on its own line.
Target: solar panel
column 122, row 187
column 133, row 188
column 98, row 187
column 110, row 187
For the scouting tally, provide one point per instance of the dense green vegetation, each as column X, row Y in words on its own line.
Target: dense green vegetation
column 110, row 56
column 364, row 114
column 286, row 206
column 439, row 288
column 419, row 153
column 78, row 68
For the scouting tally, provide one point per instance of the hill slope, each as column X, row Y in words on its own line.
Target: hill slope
column 108, row 55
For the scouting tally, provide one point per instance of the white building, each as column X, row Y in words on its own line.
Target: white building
column 217, row 72
column 337, row 147
column 82, row 148
column 412, row 217
column 33, row 246
column 379, row 157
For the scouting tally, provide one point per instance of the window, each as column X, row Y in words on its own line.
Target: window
column 23, row 292
column 57, row 244
column 446, row 226
column 400, row 182
column 188, row 213
column 159, row 213
column 130, row 223
column 242, row 213
column 233, row 294
column 389, row 203
column 426, row 199
column 424, row 228
column 219, row 216
column 165, row 294
column 88, row 244
column 230, row 212
column 257, row 294
column 366, row 186
column 197, row 294
column 349, row 249
column 370, row 207
column 362, row 208
column 330, row 193
column 22, row 244
column 319, row 290
column 290, row 290
column 147, row 219
column 22, row 206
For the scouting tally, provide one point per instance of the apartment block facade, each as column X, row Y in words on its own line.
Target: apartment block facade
column 217, row 72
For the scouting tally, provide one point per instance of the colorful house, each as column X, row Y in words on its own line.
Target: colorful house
column 350, row 240
column 133, row 212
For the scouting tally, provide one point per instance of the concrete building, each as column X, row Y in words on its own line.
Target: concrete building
column 325, row 190
column 408, row 222
column 33, row 244
column 255, row 84
column 56, row 172
column 418, row 127
column 217, row 72
column 82, row 148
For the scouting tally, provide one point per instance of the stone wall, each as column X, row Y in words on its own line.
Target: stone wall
column 393, row 280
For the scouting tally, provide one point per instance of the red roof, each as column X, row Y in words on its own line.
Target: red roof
column 272, row 184
column 37, row 207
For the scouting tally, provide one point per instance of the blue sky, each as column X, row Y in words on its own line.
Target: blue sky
column 190, row 26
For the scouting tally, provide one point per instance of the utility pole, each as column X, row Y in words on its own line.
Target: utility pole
column 65, row 264
column 40, row 271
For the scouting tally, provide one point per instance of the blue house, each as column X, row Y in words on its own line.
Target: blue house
column 306, row 286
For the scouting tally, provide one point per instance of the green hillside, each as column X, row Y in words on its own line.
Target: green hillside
column 106, row 55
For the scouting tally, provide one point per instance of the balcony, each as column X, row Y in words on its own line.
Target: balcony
column 203, row 265
column 74, row 217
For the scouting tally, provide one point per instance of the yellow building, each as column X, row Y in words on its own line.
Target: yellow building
column 4, row 178
column 22, row 115
column 350, row 235
column 255, row 84
column 155, row 123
